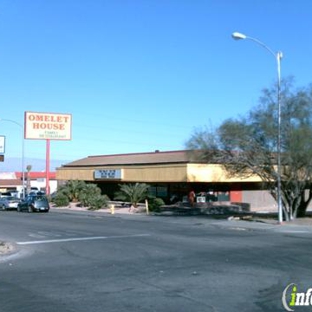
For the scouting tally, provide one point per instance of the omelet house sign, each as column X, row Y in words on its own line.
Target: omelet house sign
column 47, row 126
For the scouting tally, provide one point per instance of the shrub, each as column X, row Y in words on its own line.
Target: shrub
column 90, row 196
column 154, row 204
column 61, row 200
column 98, row 202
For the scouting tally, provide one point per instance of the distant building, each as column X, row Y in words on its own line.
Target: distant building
column 9, row 182
column 171, row 175
column 12, row 181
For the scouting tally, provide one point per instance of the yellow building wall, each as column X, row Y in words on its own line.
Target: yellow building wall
column 213, row 173
column 158, row 173
column 75, row 174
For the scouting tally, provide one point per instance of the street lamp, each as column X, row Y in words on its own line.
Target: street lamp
column 23, row 152
column 278, row 56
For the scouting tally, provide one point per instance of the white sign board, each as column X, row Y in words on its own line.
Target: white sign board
column 108, row 174
column 2, row 144
column 47, row 126
column 200, row 199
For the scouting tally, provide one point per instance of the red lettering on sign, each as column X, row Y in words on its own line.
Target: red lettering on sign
column 48, row 118
column 48, row 126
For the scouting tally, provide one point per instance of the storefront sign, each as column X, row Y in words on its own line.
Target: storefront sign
column 47, row 126
column 111, row 174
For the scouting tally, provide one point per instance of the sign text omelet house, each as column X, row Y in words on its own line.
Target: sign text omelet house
column 47, row 126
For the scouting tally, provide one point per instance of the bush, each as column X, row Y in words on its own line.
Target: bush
column 98, row 202
column 61, row 200
column 154, row 204
column 90, row 196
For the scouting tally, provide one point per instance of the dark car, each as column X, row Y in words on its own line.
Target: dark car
column 9, row 202
column 34, row 203
column 5, row 194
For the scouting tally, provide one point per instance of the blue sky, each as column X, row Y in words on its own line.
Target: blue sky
column 141, row 75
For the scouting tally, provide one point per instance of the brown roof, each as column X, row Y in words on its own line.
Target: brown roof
column 10, row 182
column 133, row 159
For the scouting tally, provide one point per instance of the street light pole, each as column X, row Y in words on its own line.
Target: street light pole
column 23, row 152
column 278, row 56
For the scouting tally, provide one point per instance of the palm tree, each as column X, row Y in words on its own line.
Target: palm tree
column 72, row 189
column 28, row 186
column 133, row 193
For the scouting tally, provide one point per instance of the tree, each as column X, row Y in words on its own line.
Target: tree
column 133, row 193
column 247, row 145
column 28, row 187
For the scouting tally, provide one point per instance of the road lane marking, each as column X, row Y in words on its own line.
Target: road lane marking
column 65, row 240
column 292, row 231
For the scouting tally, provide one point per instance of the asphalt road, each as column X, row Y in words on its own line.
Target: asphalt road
column 84, row 262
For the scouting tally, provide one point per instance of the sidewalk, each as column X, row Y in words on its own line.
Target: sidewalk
column 297, row 226
column 256, row 222
column 124, row 210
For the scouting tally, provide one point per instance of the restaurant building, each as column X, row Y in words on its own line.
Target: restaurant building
column 171, row 176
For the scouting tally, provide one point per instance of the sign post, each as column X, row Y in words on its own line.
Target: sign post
column 48, row 167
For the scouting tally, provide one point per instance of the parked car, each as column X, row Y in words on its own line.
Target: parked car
column 32, row 191
column 34, row 203
column 5, row 194
column 9, row 202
